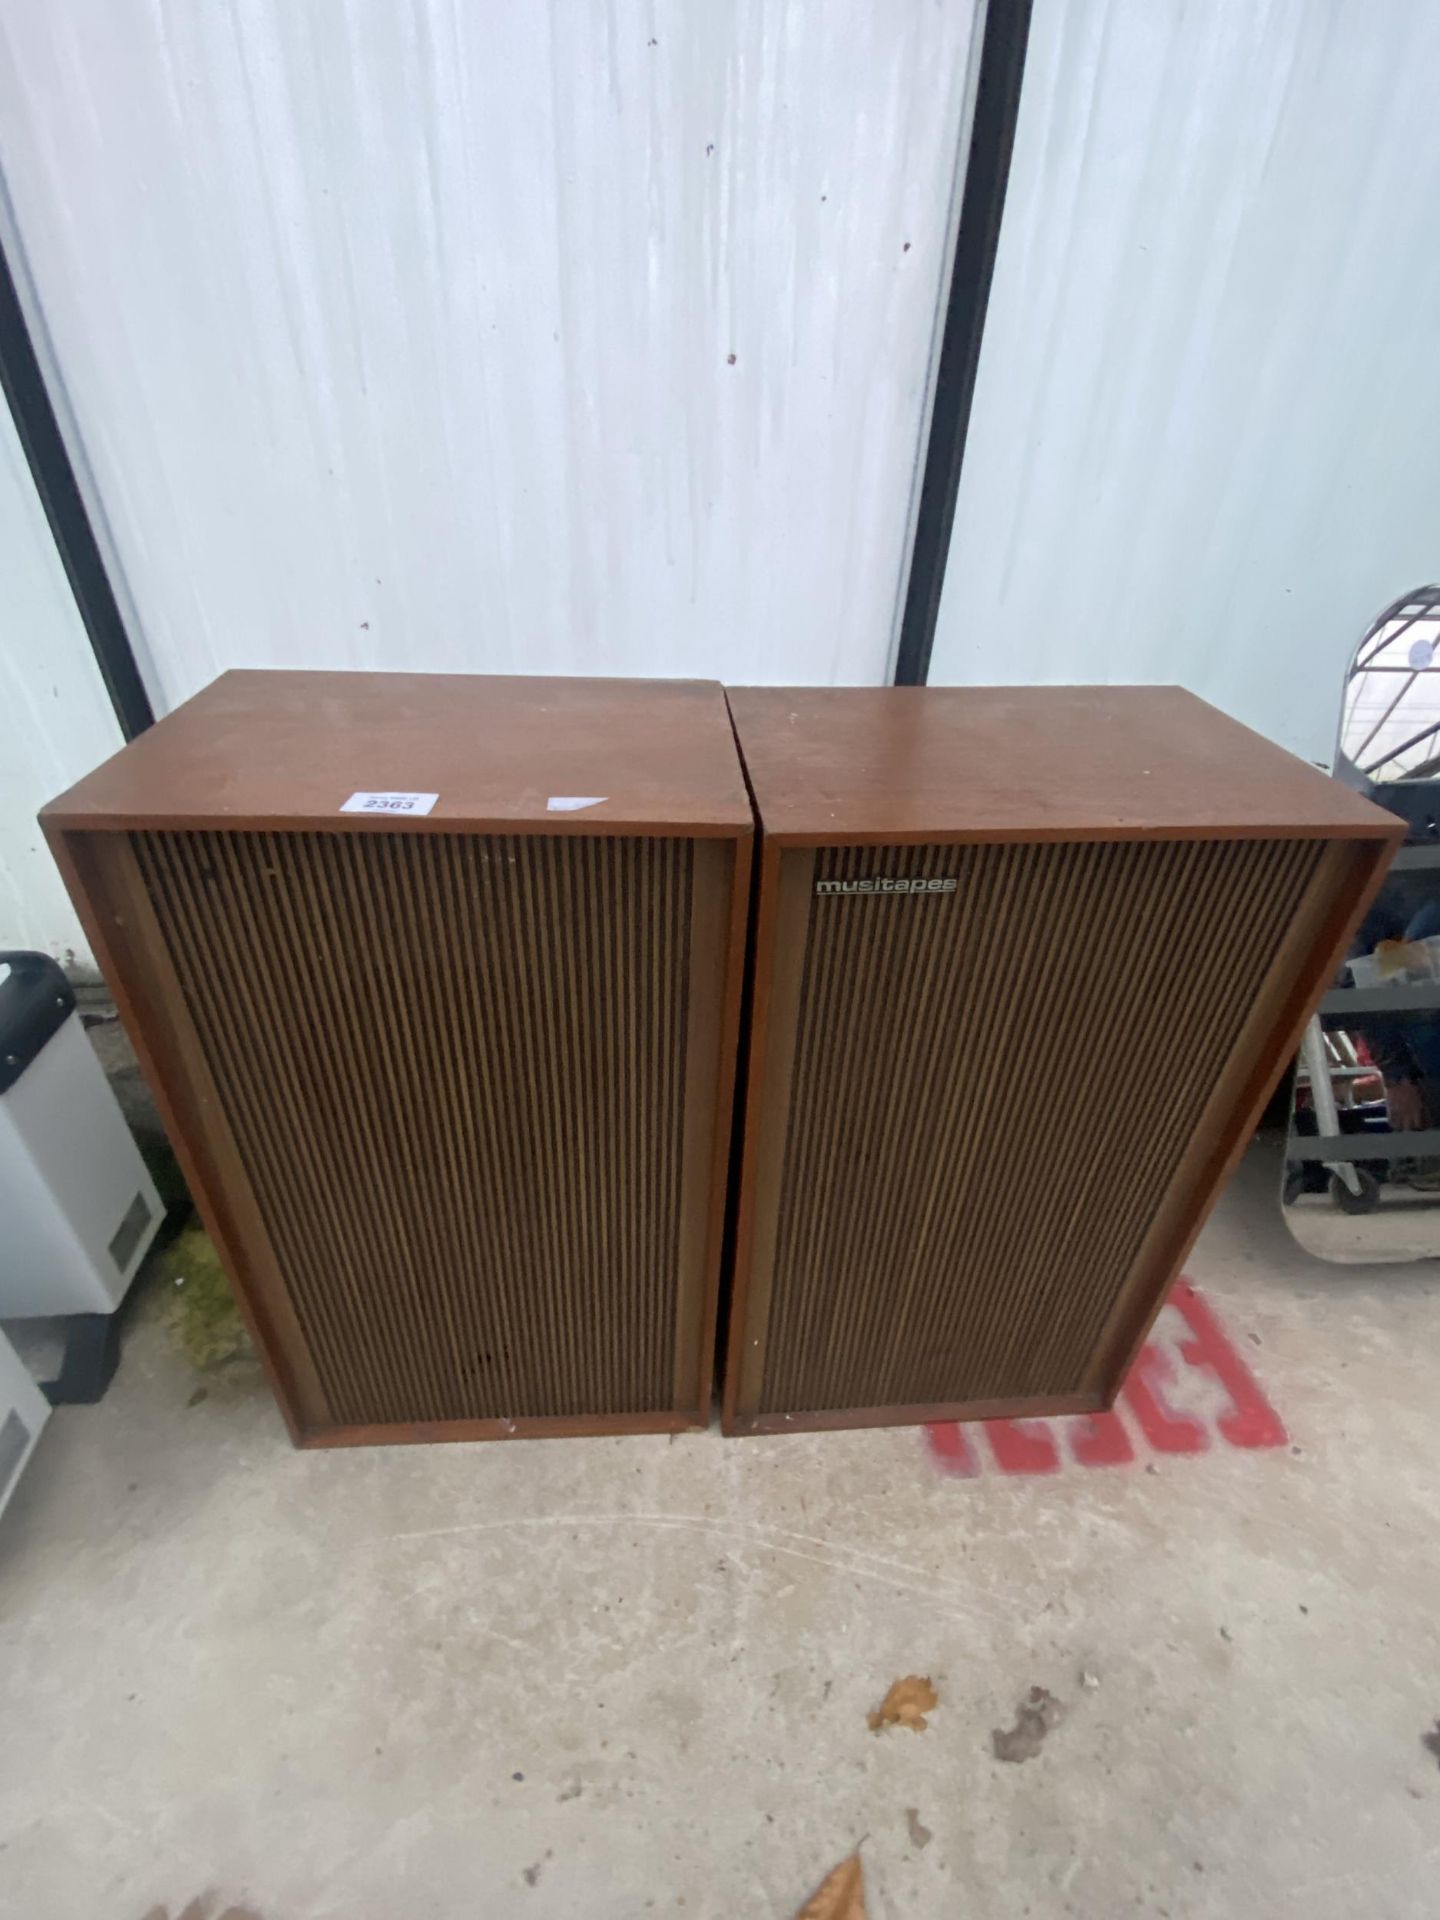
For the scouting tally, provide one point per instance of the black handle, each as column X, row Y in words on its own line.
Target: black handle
column 35, row 1002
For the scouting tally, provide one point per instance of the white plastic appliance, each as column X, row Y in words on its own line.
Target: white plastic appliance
column 78, row 1208
column 23, row 1412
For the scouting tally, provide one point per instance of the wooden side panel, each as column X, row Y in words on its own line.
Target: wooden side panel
column 104, row 881
column 456, row 1102
column 716, row 940
column 1007, row 1109
column 784, row 903
column 1345, row 880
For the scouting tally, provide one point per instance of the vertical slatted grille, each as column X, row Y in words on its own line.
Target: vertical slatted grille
column 992, row 1090
column 454, row 1066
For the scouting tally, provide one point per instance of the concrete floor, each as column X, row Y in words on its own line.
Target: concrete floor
column 610, row 1678
column 1404, row 1226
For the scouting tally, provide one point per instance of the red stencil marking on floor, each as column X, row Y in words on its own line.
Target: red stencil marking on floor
column 1024, row 1446
column 1188, row 1388
column 1100, row 1440
column 1147, row 1394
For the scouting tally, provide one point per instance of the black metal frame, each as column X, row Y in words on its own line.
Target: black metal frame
column 23, row 385
column 982, row 203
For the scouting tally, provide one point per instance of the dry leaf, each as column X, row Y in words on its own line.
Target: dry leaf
column 840, row 1896
column 906, row 1704
column 1036, row 1714
column 920, row 1834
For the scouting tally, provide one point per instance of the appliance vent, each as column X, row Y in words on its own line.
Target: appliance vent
column 454, row 1067
column 125, row 1241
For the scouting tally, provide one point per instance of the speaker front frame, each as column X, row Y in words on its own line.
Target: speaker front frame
column 100, row 868
column 1347, row 874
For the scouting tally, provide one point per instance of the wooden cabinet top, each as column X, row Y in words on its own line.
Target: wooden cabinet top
column 896, row 764
column 271, row 750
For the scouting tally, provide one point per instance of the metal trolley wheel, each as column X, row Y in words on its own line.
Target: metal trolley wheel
column 1364, row 1198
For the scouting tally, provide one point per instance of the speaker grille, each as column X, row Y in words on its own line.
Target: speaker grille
column 454, row 1068
column 992, row 1090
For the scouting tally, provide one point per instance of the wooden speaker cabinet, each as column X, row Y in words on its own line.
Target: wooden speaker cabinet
column 1027, row 966
column 436, row 979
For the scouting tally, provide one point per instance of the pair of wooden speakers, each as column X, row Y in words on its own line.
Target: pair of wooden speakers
column 441, row 983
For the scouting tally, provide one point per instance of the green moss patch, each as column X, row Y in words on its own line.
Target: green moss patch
column 198, row 1309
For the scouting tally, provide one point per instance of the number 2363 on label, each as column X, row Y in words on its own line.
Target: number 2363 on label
column 392, row 803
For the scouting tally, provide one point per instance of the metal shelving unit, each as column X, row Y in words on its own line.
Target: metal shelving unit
column 1332, row 1145
column 1394, row 684
column 1419, row 998
column 1364, row 1146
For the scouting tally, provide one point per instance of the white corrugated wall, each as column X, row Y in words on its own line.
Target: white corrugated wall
column 402, row 336
column 545, row 338
column 55, row 716
column 1204, row 445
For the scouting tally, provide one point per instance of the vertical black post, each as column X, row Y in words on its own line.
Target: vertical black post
column 982, row 203
column 23, row 385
